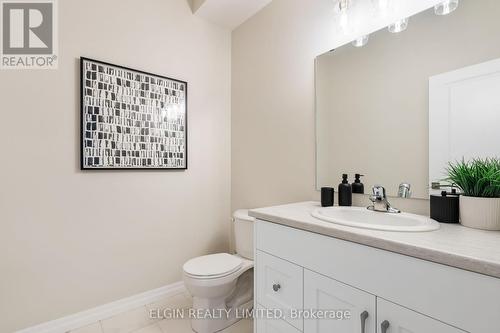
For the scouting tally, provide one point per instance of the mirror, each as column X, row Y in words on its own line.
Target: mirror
column 372, row 103
column 464, row 117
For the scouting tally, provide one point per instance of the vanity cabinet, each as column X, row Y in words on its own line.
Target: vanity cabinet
column 367, row 313
column 384, row 292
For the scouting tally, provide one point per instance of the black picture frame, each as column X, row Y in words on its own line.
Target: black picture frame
column 83, row 113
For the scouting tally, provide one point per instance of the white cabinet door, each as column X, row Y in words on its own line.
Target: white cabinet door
column 279, row 286
column 328, row 295
column 393, row 318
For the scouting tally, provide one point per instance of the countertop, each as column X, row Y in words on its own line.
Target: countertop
column 453, row 245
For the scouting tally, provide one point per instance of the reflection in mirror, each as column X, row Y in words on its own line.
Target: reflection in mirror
column 464, row 117
column 372, row 103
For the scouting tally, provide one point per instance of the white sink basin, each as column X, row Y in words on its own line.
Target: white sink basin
column 360, row 217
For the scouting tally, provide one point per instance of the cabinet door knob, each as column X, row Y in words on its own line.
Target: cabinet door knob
column 363, row 316
column 384, row 326
column 276, row 287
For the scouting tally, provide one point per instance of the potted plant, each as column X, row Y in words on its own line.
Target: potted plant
column 479, row 182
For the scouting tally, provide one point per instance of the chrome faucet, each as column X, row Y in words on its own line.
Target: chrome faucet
column 380, row 203
column 404, row 190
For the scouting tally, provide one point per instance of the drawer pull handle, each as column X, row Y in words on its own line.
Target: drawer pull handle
column 384, row 326
column 276, row 287
column 363, row 316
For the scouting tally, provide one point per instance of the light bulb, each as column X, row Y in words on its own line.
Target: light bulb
column 344, row 22
column 343, row 7
column 399, row 26
column 446, row 7
column 361, row 41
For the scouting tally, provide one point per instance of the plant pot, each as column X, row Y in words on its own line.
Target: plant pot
column 480, row 213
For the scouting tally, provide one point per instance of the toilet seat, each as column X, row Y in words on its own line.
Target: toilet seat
column 212, row 266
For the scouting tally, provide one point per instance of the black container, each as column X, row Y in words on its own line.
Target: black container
column 357, row 186
column 345, row 192
column 445, row 207
column 327, row 196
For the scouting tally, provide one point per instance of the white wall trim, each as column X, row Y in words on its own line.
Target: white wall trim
column 87, row 317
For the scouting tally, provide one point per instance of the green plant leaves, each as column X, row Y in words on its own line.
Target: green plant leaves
column 477, row 177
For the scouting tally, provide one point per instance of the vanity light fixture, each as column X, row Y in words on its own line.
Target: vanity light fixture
column 361, row 41
column 399, row 26
column 342, row 8
column 343, row 5
column 445, row 7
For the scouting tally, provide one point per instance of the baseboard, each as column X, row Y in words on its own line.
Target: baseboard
column 87, row 317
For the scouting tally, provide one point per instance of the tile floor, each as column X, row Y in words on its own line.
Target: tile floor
column 138, row 321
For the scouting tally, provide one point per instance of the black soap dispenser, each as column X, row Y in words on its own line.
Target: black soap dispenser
column 345, row 192
column 357, row 186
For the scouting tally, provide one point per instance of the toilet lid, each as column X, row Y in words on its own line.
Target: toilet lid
column 212, row 265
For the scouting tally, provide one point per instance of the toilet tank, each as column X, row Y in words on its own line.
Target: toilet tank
column 243, row 233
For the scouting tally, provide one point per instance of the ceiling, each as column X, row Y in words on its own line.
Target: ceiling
column 228, row 14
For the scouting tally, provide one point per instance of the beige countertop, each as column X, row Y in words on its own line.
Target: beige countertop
column 453, row 245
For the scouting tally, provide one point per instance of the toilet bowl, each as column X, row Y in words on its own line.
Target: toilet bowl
column 222, row 284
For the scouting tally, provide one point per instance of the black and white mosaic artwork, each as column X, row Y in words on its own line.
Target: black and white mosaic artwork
column 131, row 119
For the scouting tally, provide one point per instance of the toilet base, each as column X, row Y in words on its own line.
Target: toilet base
column 220, row 313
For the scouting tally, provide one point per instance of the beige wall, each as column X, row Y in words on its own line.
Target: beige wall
column 273, row 121
column 72, row 240
column 273, row 103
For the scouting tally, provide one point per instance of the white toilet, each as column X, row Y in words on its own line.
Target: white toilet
column 222, row 283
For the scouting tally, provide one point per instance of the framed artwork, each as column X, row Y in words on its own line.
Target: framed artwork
column 131, row 119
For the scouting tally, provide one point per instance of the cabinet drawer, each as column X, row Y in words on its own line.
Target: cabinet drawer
column 279, row 286
column 393, row 318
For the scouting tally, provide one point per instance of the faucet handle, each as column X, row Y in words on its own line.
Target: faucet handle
column 380, row 203
column 379, row 192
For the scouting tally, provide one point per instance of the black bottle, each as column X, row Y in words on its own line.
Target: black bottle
column 357, row 186
column 345, row 192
